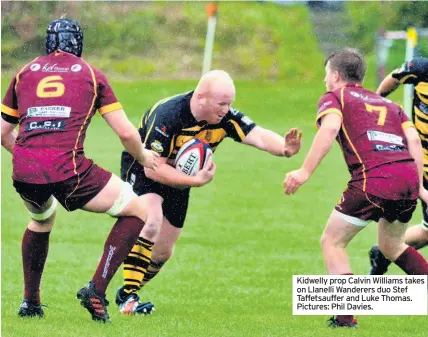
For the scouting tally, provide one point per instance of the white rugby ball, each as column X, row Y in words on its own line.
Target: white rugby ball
column 193, row 156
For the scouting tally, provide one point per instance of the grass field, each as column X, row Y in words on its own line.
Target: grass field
column 243, row 239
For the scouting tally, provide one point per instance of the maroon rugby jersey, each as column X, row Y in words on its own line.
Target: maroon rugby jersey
column 371, row 136
column 53, row 98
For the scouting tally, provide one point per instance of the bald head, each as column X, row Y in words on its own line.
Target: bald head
column 213, row 96
column 215, row 80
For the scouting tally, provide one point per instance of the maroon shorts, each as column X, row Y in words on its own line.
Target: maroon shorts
column 72, row 193
column 364, row 206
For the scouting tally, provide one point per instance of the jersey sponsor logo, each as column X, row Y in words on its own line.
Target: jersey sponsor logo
column 76, row 67
column 162, row 131
column 324, row 105
column 384, row 137
column 54, row 68
column 383, row 148
column 49, row 111
column 46, row 125
column 367, row 98
column 247, row 120
column 157, row 146
column 35, row 67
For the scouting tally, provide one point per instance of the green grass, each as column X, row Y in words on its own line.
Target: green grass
column 242, row 242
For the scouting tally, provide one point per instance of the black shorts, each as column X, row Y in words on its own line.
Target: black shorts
column 175, row 201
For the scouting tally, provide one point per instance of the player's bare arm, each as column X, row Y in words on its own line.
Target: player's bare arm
column 130, row 138
column 168, row 175
column 270, row 141
column 323, row 141
column 8, row 135
column 387, row 86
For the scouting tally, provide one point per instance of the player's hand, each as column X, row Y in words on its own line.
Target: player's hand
column 293, row 141
column 294, row 179
column 150, row 159
column 205, row 175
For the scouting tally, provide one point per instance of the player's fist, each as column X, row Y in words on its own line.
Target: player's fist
column 293, row 141
column 205, row 175
column 294, row 179
column 150, row 159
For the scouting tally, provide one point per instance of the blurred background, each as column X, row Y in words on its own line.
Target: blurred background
column 272, row 40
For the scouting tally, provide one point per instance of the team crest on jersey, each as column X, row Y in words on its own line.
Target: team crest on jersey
column 76, row 67
column 157, row 146
column 35, row 67
column 208, row 135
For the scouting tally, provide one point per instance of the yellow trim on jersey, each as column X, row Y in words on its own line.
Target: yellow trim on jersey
column 328, row 111
column 406, row 77
column 9, row 111
column 94, row 80
column 193, row 128
column 212, row 135
column 342, row 97
column 110, row 107
column 358, row 156
column 22, row 69
column 149, row 130
column 238, row 129
column 407, row 124
column 171, row 146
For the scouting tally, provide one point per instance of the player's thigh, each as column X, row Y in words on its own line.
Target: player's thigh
column 164, row 246
column 391, row 238
column 39, row 202
column 341, row 229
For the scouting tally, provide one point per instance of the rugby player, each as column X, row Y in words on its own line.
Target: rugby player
column 205, row 113
column 53, row 99
column 411, row 72
column 384, row 156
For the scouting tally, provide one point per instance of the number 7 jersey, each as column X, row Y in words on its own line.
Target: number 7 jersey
column 53, row 98
column 371, row 135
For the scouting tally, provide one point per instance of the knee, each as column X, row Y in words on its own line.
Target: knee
column 161, row 257
column 152, row 225
column 42, row 225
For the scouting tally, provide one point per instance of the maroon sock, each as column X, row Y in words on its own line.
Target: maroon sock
column 345, row 318
column 412, row 262
column 35, row 247
column 119, row 243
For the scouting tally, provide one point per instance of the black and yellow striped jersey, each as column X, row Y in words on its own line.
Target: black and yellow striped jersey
column 168, row 124
column 415, row 72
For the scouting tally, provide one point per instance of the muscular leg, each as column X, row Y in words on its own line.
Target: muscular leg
column 35, row 247
column 391, row 244
column 117, row 199
column 162, row 250
column 337, row 234
column 138, row 260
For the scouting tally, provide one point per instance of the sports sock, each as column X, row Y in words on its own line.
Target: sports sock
column 135, row 265
column 412, row 262
column 35, row 247
column 152, row 271
column 345, row 318
column 117, row 246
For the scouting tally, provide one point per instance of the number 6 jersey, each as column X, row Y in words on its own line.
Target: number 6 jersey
column 53, row 98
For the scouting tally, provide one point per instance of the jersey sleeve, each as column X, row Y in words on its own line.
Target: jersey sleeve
column 9, row 107
column 161, row 126
column 405, row 122
column 410, row 72
column 237, row 125
column 328, row 104
column 106, row 99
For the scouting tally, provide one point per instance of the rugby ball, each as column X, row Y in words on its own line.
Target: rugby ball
column 193, row 156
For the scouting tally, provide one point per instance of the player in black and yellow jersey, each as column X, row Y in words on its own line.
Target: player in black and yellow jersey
column 413, row 72
column 204, row 113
